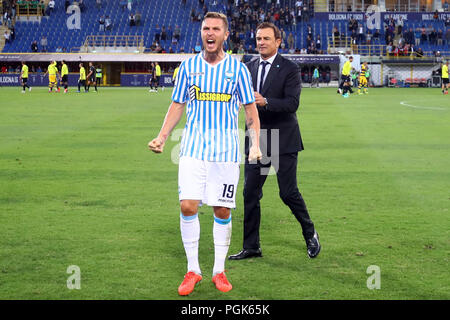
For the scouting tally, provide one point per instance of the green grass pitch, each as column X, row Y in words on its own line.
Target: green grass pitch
column 79, row 187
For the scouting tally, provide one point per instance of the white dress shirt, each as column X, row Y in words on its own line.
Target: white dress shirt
column 270, row 61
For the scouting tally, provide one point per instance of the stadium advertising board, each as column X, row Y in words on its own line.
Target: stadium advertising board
column 360, row 16
column 305, row 59
column 126, row 80
column 142, row 80
column 34, row 79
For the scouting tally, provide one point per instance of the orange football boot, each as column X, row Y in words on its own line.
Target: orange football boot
column 189, row 282
column 221, row 282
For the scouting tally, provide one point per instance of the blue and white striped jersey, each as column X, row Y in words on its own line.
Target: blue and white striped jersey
column 213, row 95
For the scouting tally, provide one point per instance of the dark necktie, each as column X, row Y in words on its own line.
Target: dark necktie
column 263, row 72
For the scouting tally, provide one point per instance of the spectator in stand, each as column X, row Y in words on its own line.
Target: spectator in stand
column 177, row 32
column 51, row 6
column 308, row 41
column 174, row 41
column 368, row 37
column 376, row 36
column 251, row 36
column 130, row 5
column 197, row 48
column 299, row 15
column 409, row 36
column 108, row 23
column 400, row 25
column 389, row 49
column 360, row 34
column 251, row 50
column 318, row 42
column 163, row 33
column 138, row 18
column 432, row 37
column 101, row 24
column 44, row 44
column 123, row 4
column 131, row 20
column 305, row 13
column 283, row 49
column 352, row 25
column 412, row 50
column 353, row 37
column 157, row 33
column 417, row 35
column 389, row 34
column 6, row 36
column 34, row 47
column 291, row 41
column 283, row 35
column 309, row 31
column 298, row 5
column 436, row 15
column 423, row 35
column 440, row 36
column 81, row 5
column 12, row 34
column 419, row 53
column 98, row 3
column 445, row 6
column 336, row 36
column 158, row 49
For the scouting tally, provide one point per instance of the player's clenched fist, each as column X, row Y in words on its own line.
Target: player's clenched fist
column 156, row 145
column 254, row 154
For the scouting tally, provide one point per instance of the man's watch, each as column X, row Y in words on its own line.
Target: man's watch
column 265, row 103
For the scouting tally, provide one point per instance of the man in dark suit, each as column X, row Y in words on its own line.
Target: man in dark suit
column 277, row 85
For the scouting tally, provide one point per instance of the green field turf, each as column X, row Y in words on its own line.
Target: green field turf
column 78, row 186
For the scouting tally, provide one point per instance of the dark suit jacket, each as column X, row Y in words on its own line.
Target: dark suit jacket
column 282, row 90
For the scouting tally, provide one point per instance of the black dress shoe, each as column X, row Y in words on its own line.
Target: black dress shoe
column 313, row 245
column 246, row 253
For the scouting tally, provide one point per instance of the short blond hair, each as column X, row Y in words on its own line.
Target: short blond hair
column 217, row 15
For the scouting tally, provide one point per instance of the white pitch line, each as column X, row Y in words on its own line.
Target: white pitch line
column 403, row 103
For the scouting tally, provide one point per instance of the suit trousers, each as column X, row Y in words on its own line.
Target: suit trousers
column 289, row 193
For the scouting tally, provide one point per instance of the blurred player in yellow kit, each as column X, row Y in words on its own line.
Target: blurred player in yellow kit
column 363, row 79
column 52, row 71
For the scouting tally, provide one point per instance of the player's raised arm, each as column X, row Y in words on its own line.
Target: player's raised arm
column 253, row 125
column 172, row 118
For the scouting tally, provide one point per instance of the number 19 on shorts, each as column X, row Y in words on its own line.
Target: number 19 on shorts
column 228, row 191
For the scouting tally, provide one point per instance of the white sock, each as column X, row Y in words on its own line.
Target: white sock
column 190, row 235
column 222, row 238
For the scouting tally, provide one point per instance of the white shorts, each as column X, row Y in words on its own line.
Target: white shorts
column 213, row 183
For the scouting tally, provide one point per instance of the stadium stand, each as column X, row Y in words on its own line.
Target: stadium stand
column 173, row 14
